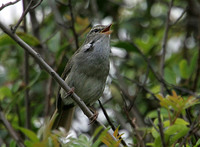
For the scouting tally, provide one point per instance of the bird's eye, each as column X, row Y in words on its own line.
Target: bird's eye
column 95, row 30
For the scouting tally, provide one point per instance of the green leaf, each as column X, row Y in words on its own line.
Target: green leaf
column 5, row 92
column 54, row 43
column 193, row 63
column 30, row 134
column 29, row 39
column 12, row 143
column 184, row 69
column 176, row 132
column 125, row 45
column 154, row 114
column 197, row 143
column 170, row 76
column 6, row 40
column 181, row 122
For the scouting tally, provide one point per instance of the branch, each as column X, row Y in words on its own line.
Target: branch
column 26, row 79
column 8, row 4
column 55, row 76
column 22, row 17
column 36, row 5
column 133, row 124
column 27, row 99
column 162, row 64
column 198, row 60
column 72, row 25
column 182, row 14
column 10, row 129
column 193, row 128
column 160, row 125
column 110, row 123
column 158, row 77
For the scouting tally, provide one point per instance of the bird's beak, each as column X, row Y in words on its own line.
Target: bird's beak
column 107, row 30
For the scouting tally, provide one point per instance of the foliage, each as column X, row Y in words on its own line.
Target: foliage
column 174, row 127
column 137, row 83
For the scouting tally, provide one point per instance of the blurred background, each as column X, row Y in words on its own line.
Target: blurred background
column 154, row 49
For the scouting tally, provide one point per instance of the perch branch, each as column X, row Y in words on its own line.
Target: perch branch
column 55, row 76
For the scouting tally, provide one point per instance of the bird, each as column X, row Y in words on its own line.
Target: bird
column 86, row 73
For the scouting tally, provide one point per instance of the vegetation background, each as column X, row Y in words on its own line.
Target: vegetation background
column 152, row 91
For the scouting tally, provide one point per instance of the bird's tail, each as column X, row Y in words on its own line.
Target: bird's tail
column 64, row 118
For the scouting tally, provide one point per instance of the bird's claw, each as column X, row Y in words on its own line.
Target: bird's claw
column 70, row 92
column 93, row 117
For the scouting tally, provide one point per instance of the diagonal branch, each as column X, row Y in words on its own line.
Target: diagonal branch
column 55, row 76
column 110, row 123
column 22, row 17
column 8, row 4
column 10, row 129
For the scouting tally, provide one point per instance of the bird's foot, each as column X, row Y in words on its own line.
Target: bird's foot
column 94, row 116
column 70, row 92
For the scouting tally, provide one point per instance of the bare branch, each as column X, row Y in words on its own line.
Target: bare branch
column 36, row 5
column 72, row 24
column 110, row 123
column 194, row 127
column 164, row 42
column 56, row 77
column 27, row 98
column 133, row 124
column 158, row 77
column 178, row 19
column 8, row 4
column 22, row 17
column 10, row 129
column 26, row 79
column 198, row 60
column 160, row 125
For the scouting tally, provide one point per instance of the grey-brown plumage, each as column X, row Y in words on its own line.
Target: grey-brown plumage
column 86, row 72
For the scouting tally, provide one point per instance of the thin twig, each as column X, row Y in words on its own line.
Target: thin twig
column 49, row 37
column 73, row 24
column 196, row 79
column 142, row 86
column 58, row 18
column 179, row 18
column 132, row 122
column 153, row 125
column 26, row 79
column 110, row 123
column 51, row 72
column 8, row 4
column 161, row 129
column 158, row 77
column 49, row 92
column 27, row 98
column 164, row 42
column 10, row 129
column 193, row 128
column 36, row 5
column 22, row 17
